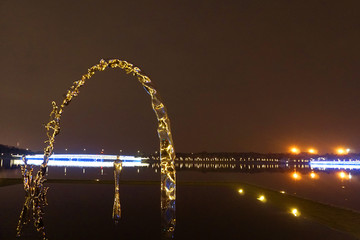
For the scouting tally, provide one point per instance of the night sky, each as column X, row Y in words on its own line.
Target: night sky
column 234, row 75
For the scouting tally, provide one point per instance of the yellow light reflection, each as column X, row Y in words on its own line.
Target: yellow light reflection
column 296, row 176
column 313, row 175
column 295, row 212
column 261, row 198
column 241, row 191
column 282, row 192
column 344, row 175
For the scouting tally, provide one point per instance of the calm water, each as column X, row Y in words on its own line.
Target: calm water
column 208, row 204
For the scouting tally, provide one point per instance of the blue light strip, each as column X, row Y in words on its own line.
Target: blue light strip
column 335, row 164
column 83, row 160
column 94, row 157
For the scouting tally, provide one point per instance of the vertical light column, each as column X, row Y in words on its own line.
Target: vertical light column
column 116, row 215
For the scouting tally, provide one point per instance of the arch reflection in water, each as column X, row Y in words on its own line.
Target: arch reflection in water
column 168, row 218
column 168, row 206
column 117, row 207
column 35, row 201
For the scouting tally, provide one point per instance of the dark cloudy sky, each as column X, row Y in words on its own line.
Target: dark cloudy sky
column 234, row 75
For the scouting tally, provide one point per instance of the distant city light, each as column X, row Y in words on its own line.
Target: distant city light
column 312, row 151
column 342, row 151
column 241, row 191
column 282, row 192
column 295, row 150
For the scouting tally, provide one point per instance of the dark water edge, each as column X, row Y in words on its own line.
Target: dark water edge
column 204, row 211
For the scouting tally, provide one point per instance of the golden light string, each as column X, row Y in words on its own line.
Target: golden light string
column 34, row 185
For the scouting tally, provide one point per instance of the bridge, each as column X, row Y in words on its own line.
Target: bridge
column 82, row 160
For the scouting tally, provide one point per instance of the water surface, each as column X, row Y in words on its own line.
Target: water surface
column 208, row 205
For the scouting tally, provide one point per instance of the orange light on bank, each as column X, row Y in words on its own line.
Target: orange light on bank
column 342, row 151
column 294, row 150
column 312, row 151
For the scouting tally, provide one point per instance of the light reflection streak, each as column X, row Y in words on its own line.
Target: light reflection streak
column 296, row 176
column 313, row 175
column 116, row 215
column 344, row 175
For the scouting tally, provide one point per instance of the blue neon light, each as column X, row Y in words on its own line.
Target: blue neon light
column 335, row 164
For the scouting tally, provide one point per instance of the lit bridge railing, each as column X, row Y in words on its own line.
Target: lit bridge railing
column 83, row 160
column 335, row 164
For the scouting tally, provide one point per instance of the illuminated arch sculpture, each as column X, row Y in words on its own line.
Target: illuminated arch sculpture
column 34, row 185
